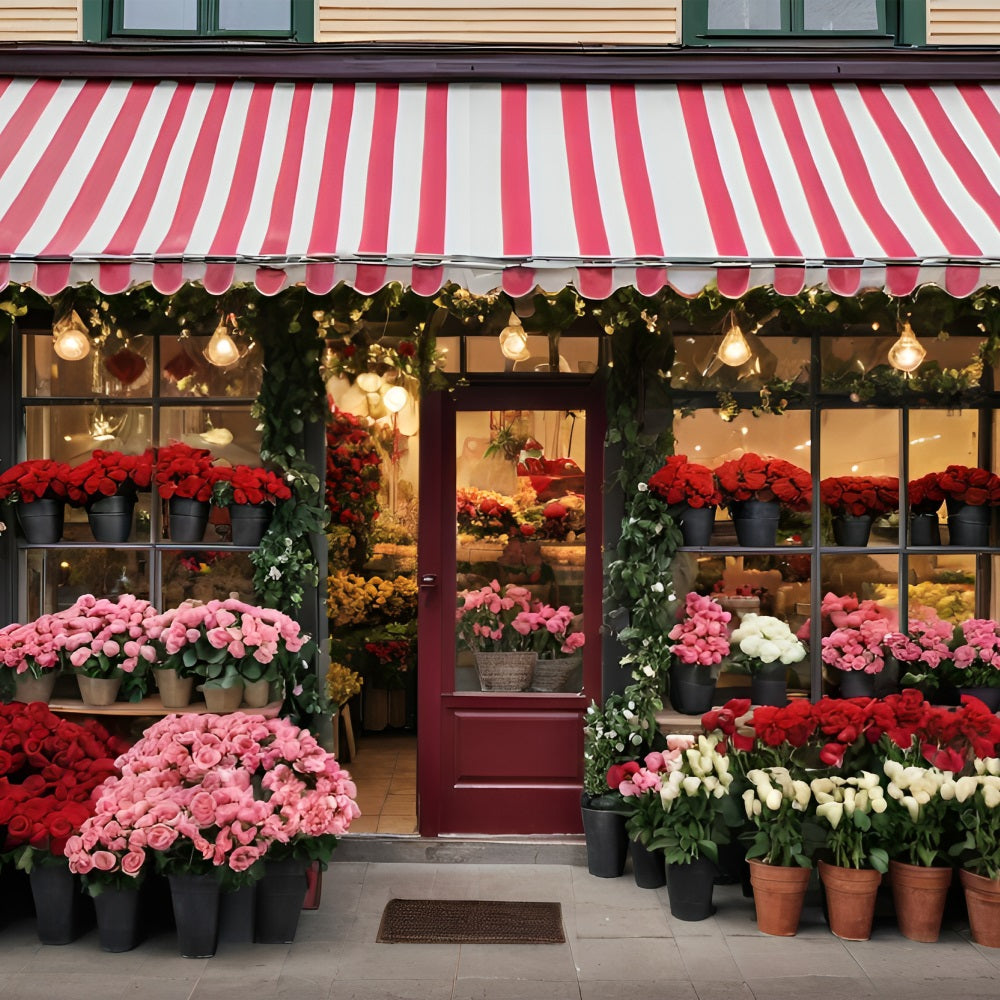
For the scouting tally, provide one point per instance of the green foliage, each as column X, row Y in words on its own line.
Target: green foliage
column 623, row 728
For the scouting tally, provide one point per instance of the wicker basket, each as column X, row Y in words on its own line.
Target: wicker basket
column 552, row 675
column 505, row 671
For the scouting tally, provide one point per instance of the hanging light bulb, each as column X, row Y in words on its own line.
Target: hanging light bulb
column 907, row 353
column 104, row 425
column 514, row 340
column 369, row 381
column 70, row 340
column 222, row 350
column 395, row 398
column 734, row 349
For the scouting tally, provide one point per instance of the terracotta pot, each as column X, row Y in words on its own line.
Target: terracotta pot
column 778, row 894
column 982, row 899
column 918, row 895
column 850, row 900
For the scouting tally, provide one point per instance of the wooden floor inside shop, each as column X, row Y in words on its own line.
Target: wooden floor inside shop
column 385, row 770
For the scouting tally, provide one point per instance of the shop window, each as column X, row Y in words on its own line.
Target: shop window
column 127, row 394
column 184, row 19
column 743, row 22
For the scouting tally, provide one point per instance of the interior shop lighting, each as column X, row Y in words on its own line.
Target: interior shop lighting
column 369, row 381
column 70, row 340
column 907, row 353
column 734, row 349
column 395, row 398
column 514, row 340
column 222, row 350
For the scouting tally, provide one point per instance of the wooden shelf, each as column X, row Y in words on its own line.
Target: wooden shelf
column 148, row 706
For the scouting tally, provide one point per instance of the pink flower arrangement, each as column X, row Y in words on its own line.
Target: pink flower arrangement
column 926, row 642
column 35, row 646
column 207, row 793
column 860, row 647
column 976, row 656
column 702, row 636
column 508, row 619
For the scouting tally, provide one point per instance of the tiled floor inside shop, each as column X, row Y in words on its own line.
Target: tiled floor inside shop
column 385, row 770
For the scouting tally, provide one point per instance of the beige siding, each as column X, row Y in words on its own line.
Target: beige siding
column 646, row 22
column 39, row 20
column 963, row 22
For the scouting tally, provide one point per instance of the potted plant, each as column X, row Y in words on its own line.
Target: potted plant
column 106, row 485
column 694, row 799
column 858, row 652
column 639, row 787
column 692, row 489
column 106, row 643
column 391, row 654
column 701, row 642
column 251, row 494
column 923, row 650
column 855, row 502
column 970, row 495
column 184, row 477
column 851, row 810
column 765, row 647
column 31, row 651
column 925, row 497
column 975, row 660
column 755, row 488
column 559, row 646
column 36, row 488
column 777, row 805
column 230, row 645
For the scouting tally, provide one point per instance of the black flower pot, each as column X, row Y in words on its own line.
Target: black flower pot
column 925, row 529
column 187, row 519
column 118, row 918
column 696, row 525
column 41, row 521
column 237, row 915
column 852, row 530
column 968, row 525
column 57, row 898
column 195, row 900
column 689, row 888
column 647, row 866
column 756, row 522
column 857, row 684
column 607, row 841
column 250, row 521
column 280, row 895
column 110, row 518
column 768, row 690
column 692, row 688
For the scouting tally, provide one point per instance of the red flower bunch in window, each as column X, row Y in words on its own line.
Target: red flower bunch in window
column 483, row 514
column 680, row 481
column 976, row 487
column 248, row 484
column 925, row 494
column 108, row 474
column 859, row 495
column 34, row 479
column 353, row 471
column 760, row 477
column 183, row 471
column 390, row 661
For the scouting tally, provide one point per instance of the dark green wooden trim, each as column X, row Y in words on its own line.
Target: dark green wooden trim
column 96, row 19
column 102, row 20
column 304, row 20
column 912, row 22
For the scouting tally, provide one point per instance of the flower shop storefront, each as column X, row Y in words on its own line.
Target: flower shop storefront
column 700, row 266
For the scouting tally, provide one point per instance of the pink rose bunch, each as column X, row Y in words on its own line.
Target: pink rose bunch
column 860, row 647
column 702, row 635
column 845, row 612
column 34, row 646
column 976, row 655
column 207, row 793
column 927, row 642
column 102, row 636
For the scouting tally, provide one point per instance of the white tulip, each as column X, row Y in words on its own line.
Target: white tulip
column 965, row 787
column 748, row 800
column 774, row 800
column 831, row 812
column 691, row 785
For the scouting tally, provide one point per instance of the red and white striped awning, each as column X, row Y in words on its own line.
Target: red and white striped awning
column 488, row 184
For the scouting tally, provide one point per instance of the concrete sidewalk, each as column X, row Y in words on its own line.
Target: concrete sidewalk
column 621, row 943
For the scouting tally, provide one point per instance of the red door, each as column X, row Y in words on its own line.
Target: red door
column 511, row 762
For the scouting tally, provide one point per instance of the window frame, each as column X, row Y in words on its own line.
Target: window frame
column 102, row 22
column 901, row 22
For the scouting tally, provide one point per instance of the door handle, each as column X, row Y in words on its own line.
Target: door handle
column 428, row 581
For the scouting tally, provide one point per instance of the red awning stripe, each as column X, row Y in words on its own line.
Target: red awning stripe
column 500, row 185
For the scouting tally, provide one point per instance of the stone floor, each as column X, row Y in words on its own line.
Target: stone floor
column 621, row 943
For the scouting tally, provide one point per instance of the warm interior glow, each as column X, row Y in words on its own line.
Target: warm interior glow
column 395, row 398
column 907, row 353
column 734, row 349
column 369, row 381
column 69, row 338
column 222, row 350
column 514, row 340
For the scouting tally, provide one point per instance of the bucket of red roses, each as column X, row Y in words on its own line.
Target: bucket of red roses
column 970, row 495
column 692, row 494
column 36, row 489
column 925, row 497
column 251, row 494
column 855, row 502
column 107, row 487
column 184, row 478
column 756, row 488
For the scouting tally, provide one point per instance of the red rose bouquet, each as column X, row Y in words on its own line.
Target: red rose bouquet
column 183, row 471
column 484, row 514
column 859, row 495
column 353, row 471
column 975, row 487
column 925, row 494
column 679, row 481
column 758, row 477
column 34, row 479
column 245, row 484
column 108, row 474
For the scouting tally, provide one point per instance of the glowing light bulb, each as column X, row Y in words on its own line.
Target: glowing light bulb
column 734, row 349
column 907, row 353
column 222, row 350
column 395, row 398
column 514, row 341
column 69, row 338
column 369, row 381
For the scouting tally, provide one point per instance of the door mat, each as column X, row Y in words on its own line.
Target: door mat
column 470, row 921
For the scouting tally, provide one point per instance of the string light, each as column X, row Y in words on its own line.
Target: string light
column 70, row 340
column 514, row 340
column 395, row 398
column 222, row 350
column 907, row 353
column 734, row 349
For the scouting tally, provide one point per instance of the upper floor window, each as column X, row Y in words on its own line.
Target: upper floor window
column 742, row 22
column 184, row 19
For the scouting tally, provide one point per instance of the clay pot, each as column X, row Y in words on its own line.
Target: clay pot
column 919, row 894
column 778, row 894
column 850, row 900
column 982, row 899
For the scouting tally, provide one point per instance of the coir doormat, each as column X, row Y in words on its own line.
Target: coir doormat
column 470, row 921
